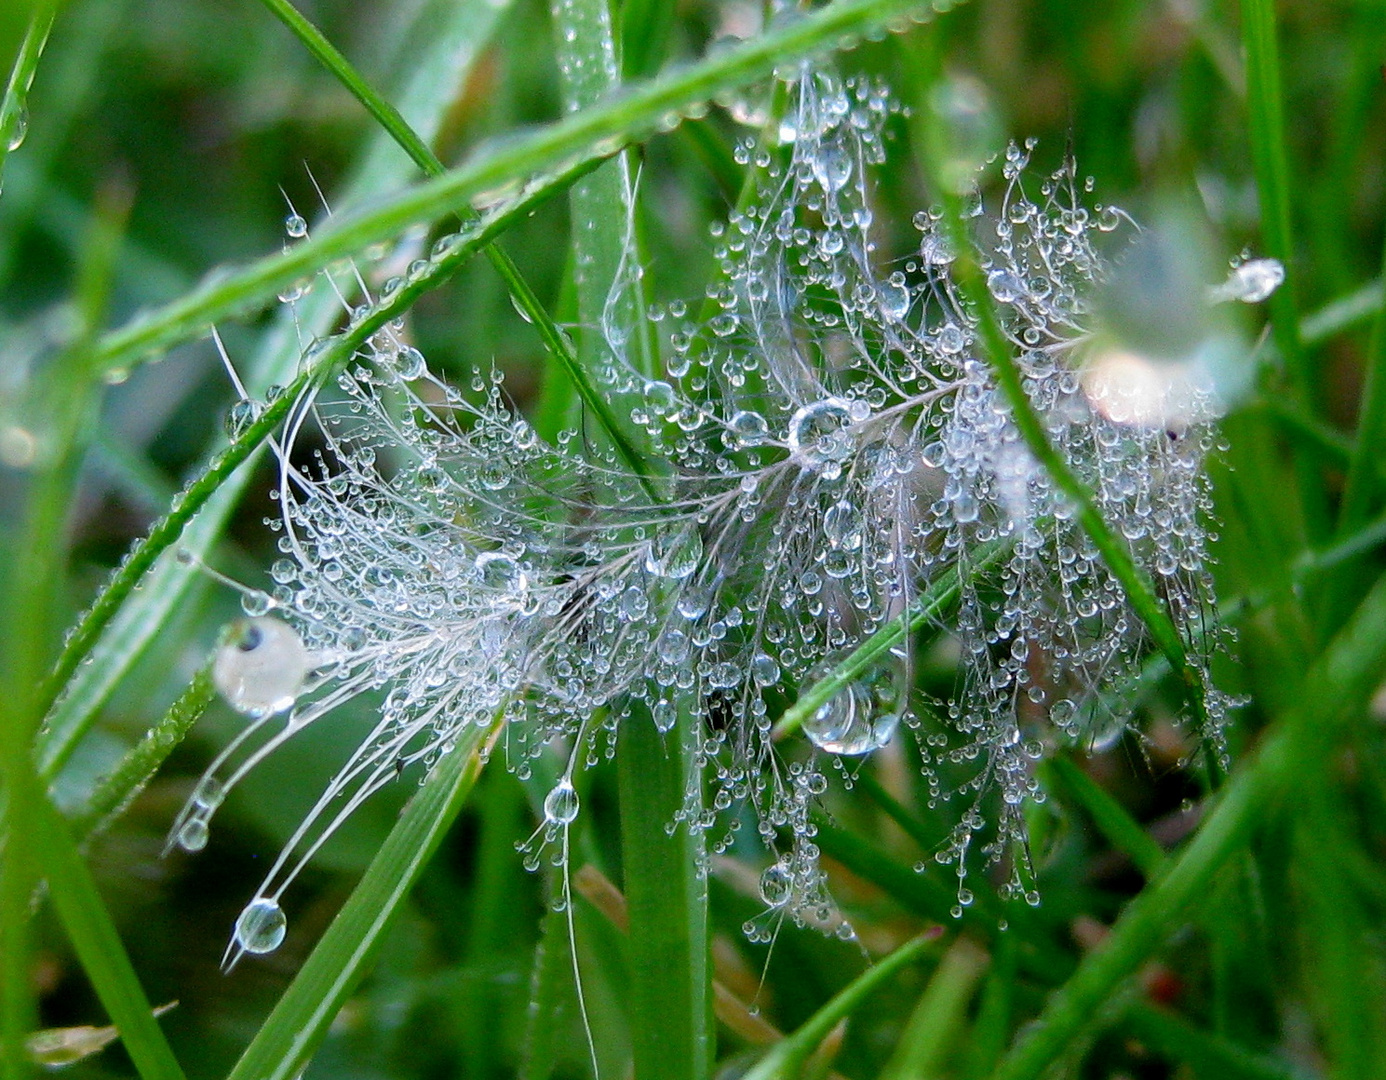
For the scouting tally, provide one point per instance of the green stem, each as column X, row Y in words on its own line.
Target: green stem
column 1110, row 817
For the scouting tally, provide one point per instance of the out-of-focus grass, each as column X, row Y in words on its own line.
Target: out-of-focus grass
column 1269, row 965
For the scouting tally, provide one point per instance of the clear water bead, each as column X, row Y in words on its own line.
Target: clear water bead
column 820, row 437
column 1251, row 282
column 295, row 226
column 561, row 804
column 748, row 429
column 848, row 723
column 260, row 665
column 675, row 556
column 776, row 885
column 261, row 926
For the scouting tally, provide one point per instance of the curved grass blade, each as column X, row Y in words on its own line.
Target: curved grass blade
column 593, row 133
column 1343, row 678
column 119, row 627
column 787, row 1058
column 211, row 494
column 389, row 118
column 287, row 1039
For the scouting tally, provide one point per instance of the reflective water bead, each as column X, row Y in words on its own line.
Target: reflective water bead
column 675, row 556
column 561, row 804
column 295, row 226
column 260, row 665
column 261, row 926
column 748, row 429
column 843, row 525
column 820, row 437
column 776, row 885
column 847, row 723
column 498, row 570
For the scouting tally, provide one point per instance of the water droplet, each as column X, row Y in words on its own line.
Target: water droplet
column 675, row 556
column 748, row 429
column 261, row 926
column 19, row 128
column 843, row 526
column 1251, row 282
column 820, row 437
column 776, row 885
column 1005, row 286
column 242, row 415
column 850, row 724
column 561, row 804
column 765, row 670
column 499, row 571
column 260, row 666
column 295, row 226
column 193, row 835
column 410, row 363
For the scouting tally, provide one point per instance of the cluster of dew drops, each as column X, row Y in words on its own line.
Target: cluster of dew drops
column 832, row 446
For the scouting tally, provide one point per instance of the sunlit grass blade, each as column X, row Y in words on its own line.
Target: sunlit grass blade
column 1343, row 678
column 300, row 1020
column 596, row 132
column 786, row 1058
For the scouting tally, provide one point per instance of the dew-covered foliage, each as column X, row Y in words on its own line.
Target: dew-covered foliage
column 830, row 444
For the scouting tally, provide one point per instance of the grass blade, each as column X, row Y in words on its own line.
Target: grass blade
column 938, row 1017
column 300, row 1020
column 14, row 117
column 1343, row 678
column 786, row 1058
column 593, row 133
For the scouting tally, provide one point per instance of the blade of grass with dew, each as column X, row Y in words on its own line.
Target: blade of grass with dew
column 389, row 118
column 14, row 108
column 593, row 133
column 934, row 1025
column 787, row 1057
column 300, row 1019
column 123, row 631
column 123, row 783
column 1343, row 679
column 927, row 607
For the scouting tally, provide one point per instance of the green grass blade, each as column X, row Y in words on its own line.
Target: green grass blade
column 208, row 499
column 389, row 118
column 1343, row 678
column 1363, row 476
column 786, row 1058
column 123, row 783
column 287, row 1039
column 1267, row 131
column 927, row 607
column 1065, row 778
column 938, row 1017
column 1205, row 1052
column 14, row 118
column 596, row 132
column 670, row 999
column 1342, row 314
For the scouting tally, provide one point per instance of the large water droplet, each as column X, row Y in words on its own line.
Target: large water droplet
column 850, row 722
column 748, row 429
column 260, row 665
column 776, row 885
column 261, row 926
column 675, row 556
column 561, row 804
column 820, row 437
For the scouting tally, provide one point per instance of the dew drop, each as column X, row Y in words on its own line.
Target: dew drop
column 748, row 429
column 261, row 926
column 820, row 437
column 295, row 226
column 776, row 885
column 193, row 835
column 675, row 556
column 561, row 804
column 260, row 666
